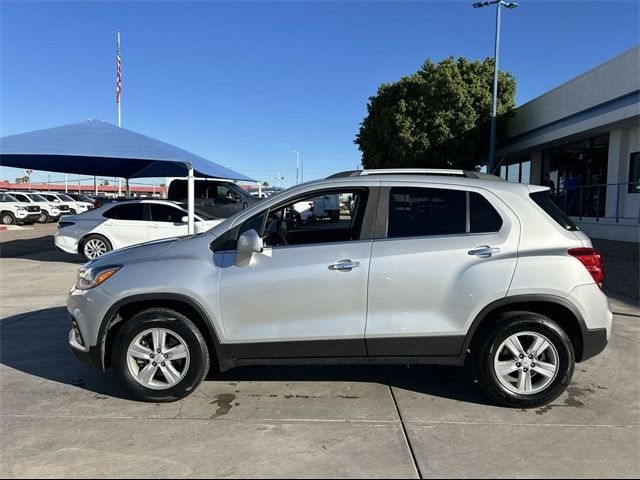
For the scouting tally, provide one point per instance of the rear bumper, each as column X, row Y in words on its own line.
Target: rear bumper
column 66, row 244
column 593, row 343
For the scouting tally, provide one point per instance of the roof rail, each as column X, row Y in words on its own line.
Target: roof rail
column 417, row 171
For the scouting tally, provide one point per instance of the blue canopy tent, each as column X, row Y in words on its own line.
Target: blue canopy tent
column 101, row 149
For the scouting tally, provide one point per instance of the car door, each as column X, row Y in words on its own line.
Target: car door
column 126, row 224
column 165, row 221
column 441, row 253
column 306, row 297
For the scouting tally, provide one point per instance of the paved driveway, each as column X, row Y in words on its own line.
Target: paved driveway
column 60, row 418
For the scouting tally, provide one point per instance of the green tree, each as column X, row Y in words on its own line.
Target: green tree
column 439, row 117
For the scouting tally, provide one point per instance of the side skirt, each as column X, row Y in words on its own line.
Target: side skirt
column 454, row 361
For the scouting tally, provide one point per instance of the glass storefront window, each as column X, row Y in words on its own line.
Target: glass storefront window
column 513, row 173
column 525, row 172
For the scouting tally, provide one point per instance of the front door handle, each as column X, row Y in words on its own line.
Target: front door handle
column 484, row 251
column 344, row 266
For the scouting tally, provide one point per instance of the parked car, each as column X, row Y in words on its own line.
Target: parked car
column 13, row 211
column 448, row 268
column 218, row 198
column 49, row 212
column 81, row 197
column 75, row 207
column 122, row 224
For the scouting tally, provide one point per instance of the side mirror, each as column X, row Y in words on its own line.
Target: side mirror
column 185, row 219
column 248, row 244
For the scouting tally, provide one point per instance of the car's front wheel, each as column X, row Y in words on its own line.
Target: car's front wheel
column 159, row 355
column 7, row 218
column 525, row 360
column 44, row 217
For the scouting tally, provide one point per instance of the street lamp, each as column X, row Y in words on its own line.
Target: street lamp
column 510, row 6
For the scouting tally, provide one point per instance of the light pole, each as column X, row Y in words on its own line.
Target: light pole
column 511, row 6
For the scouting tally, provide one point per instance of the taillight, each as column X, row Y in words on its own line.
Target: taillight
column 592, row 261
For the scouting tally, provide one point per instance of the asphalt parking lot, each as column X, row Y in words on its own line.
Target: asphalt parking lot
column 59, row 418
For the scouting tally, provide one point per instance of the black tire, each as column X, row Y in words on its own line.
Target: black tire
column 44, row 217
column 73, row 212
column 87, row 239
column 7, row 218
column 199, row 362
column 484, row 351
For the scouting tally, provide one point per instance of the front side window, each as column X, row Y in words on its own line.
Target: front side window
column 423, row 212
column 134, row 211
column 321, row 217
column 165, row 213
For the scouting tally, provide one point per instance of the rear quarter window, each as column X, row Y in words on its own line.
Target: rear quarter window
column 544, row 201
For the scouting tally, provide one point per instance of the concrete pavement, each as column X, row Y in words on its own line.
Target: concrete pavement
column 58, row 418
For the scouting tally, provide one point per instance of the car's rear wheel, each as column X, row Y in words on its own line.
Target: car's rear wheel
column 44, row 217
column 159, row 355
column 7, row 218
column 94, row 246
column 525, row 360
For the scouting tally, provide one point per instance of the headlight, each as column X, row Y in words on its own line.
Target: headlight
column 21, row 209
column 92, row 277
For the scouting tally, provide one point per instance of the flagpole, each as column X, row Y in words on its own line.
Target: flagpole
column 118, row 90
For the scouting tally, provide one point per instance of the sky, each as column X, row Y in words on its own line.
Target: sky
column 245, row 84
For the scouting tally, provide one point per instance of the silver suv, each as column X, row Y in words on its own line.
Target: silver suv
column 423, row 267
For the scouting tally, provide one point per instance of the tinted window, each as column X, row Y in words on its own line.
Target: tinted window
column 417, row 212
column 20, row 197
column 37, row 198
column 543, row 200
column 133, row 211
column 165, row 213
column 483, row 218
column 634, row 173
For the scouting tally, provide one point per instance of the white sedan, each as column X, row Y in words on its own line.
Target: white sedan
column 121, row 224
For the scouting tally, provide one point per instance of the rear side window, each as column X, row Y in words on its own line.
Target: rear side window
column 419, row 212
column 483, row 218
column 543, row 200
column 133, row 211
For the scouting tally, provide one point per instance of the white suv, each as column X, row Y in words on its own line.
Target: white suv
column 431, row 267
column 12, row 211
column 49, row 212
column 75, row 206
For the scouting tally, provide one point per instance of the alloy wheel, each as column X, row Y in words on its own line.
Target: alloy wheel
column 526, row 363
column 158, row 358
column 95, row 248
column 7, row 219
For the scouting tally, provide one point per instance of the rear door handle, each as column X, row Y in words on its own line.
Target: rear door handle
column 344, row 266
column 484, row 251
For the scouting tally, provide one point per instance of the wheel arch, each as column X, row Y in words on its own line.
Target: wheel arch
column 124, row 309
column 558, row 309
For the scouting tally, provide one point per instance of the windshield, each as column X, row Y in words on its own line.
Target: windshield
column 5, row 197
column 64, row 198
column 37, row 198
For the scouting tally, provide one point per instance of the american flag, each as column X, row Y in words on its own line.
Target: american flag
column 119, row 73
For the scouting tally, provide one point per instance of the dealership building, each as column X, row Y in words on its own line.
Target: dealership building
column 583, row 140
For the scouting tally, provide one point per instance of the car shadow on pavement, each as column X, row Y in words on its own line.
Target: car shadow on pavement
column 41, row 249
column 36, row 343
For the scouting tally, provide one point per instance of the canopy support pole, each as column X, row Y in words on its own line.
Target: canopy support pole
column 191, row 200
column 127, row 192
column 259, row 189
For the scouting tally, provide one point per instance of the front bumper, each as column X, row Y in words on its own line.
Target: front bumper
column 89, row 355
